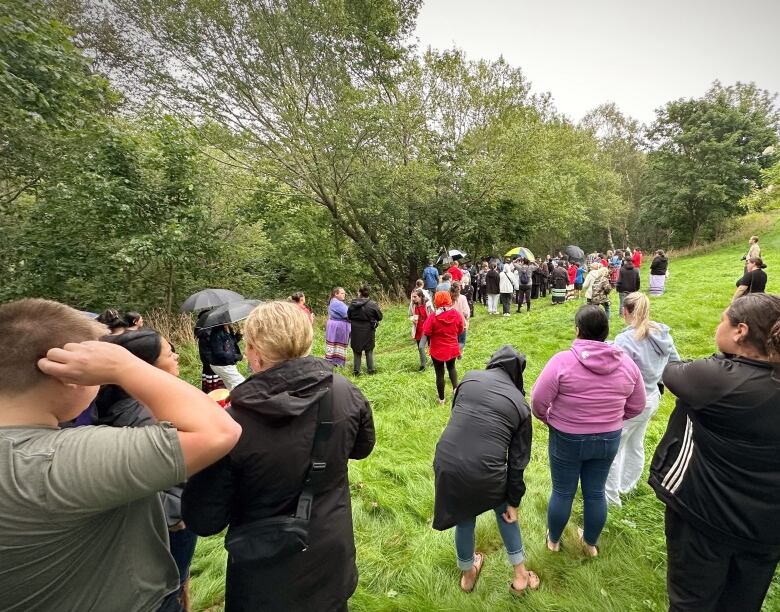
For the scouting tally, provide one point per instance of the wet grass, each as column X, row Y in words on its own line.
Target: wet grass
column 406, row 565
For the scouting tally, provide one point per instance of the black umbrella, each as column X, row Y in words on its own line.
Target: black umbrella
column 575, row 252
column 209, row 298
column 451, row 255
column 229, row 313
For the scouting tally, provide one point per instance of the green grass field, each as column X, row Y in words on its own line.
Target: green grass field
column 405, row 565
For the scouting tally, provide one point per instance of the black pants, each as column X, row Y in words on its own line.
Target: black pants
column 707, row 575
column 482, row 294
column 523, row 295
column 356, row 356
column 438, row 366
column 506, row 302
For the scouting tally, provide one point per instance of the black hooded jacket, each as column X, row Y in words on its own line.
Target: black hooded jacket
column 659, row 266
column 628, row 279
column 365, row 315
column 263, row 476
column 718, row 464
column 485, row 448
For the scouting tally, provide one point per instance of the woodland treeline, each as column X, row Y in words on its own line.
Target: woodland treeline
column 150, row 148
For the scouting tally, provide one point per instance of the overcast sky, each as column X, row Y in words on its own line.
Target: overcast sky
column 637, row 54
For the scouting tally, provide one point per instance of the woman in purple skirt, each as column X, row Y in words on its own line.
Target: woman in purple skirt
column 337, row 329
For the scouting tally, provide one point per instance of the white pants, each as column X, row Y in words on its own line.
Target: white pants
column 629, row 462
column 492, row 302
column 229, row 375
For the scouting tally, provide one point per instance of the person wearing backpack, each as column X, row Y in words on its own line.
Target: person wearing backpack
column 524, row 283
column 601, row 289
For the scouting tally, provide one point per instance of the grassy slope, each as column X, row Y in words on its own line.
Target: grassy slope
column 405, row 565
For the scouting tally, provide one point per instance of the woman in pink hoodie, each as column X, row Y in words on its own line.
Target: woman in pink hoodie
column 584, row 395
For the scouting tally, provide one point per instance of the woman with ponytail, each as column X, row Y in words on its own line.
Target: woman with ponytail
column 717, row 468
column 650, row 347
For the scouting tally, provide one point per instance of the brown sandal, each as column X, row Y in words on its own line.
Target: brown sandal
column 532, row 583
column 479, row 561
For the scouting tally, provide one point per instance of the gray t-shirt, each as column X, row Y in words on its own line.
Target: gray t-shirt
column 81, row 524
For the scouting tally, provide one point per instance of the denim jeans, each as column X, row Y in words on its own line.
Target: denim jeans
column 462, row 339
column 506, row 302
column 584, row 458
column 510, row 534
column 421, row 350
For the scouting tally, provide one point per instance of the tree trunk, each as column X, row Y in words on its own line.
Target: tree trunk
column 169, row 289
column 609, row 238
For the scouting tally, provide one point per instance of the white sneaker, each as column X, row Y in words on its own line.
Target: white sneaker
column 506, row 314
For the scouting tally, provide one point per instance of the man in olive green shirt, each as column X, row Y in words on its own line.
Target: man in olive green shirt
column 81, row 525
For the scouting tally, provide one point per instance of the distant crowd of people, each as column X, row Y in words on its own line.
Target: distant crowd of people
column 111, row 466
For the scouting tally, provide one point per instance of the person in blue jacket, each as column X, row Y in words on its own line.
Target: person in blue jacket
column 579, row 277
column 430, row 277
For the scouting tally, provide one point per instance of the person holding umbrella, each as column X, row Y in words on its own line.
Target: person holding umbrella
column 206, row 302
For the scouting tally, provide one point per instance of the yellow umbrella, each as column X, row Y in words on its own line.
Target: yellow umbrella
column 521, row 252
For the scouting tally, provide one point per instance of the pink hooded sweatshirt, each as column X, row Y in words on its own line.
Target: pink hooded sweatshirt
column 591, row 388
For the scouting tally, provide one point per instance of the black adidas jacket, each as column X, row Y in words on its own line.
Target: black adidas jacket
column 718, row 464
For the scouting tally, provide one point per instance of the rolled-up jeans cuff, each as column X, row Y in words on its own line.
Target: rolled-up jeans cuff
column 465, row 566
column 516, row 558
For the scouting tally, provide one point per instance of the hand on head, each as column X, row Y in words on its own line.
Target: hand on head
column 88, row 363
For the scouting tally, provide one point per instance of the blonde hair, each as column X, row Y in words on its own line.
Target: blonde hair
column 638, row 307
column 279, row 331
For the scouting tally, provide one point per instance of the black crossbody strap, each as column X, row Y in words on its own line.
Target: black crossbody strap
column 317, row 463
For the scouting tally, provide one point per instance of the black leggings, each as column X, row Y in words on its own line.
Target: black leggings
column 439, row 367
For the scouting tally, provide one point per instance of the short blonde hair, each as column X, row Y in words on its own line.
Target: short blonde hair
column 279, row 331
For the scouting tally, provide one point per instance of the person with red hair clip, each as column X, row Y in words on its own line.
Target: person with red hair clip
column 442, row 330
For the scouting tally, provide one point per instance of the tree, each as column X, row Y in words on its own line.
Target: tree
column 621, row 138
column 301, row 84
column 50, row 101
column 708, row 157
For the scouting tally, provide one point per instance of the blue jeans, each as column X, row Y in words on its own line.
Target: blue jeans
column 582, row 458
column 510, row 533
column 462, row 339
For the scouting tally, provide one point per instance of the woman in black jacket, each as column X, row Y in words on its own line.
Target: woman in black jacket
column 365, row 315
column 113, row 407
column 479, row 464
column 263, row 475
column 658, row 270
column 628, row 281
column 717, row 468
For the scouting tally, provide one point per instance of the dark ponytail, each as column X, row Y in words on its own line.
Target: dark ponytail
column 761, row 313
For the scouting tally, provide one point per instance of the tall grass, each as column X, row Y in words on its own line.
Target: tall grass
column 175, row 326
column 406, row 565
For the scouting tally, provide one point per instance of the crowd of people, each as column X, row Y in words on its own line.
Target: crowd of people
column 126, row 501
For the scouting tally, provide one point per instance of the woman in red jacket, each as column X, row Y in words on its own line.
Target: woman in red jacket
column 442, row 330
column 637, row 258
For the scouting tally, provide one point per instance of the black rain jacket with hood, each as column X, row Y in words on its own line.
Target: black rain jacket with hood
column 263, row 476
column 485, row 448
